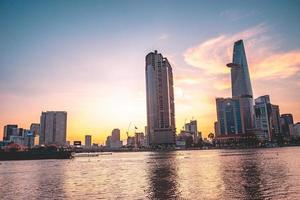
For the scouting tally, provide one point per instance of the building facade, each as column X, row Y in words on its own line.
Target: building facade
column 285, row 121
column 9, row 130
column 53, row 128
column 267, row 117
column 229, row 114
column 115, row 139
column 192, row 128
column 241, row 84
column 160, row 100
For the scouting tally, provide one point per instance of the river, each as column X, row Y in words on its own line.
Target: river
column 272, row 173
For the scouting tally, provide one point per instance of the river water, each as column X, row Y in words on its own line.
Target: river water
column 207, row 174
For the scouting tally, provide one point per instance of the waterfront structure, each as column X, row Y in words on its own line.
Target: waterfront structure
column 267, row 117
column 241, row 84
column 295, row 130
column 130, row 141
column 286, row 120
column 9, row 130
column 29, row 139
column 139, row 140
column 53, row 128
column 113, row 141
column 192, row 128
column 160, row 101
column 88, row 141
column 229, row 114
column 107, row 141
column 35, row 129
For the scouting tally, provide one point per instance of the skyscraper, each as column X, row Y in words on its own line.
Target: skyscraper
column 241, row 84
column 160, row 100
column 114, row 140
column 53, row 128
column 88, row 141
column 229, row 114
column 267, row 117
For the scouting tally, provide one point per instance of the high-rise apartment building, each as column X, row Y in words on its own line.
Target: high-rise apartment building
column 241, row 84
column 160, row 100
column 53, row 128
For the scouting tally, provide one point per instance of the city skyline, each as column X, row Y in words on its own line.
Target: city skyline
column 47, row 66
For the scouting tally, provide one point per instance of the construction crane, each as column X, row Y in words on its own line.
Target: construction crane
column 127, row 132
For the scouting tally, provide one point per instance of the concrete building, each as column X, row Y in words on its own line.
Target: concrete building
column 130, row 141
column 53, row 128
column 241, row 84
column 160, row 101
column 9, row 130
column 285, row 121
column 139, row 140
column 29, row 139
column 113, row 141
column 229, row 114
column 295, row 130
column 88, row 141
column 108, row 141
column 192, row 128
column 35, row 129
column 267, row 117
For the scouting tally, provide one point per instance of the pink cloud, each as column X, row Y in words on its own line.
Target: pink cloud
column 264, row 60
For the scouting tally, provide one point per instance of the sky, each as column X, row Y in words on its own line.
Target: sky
column 88, row 58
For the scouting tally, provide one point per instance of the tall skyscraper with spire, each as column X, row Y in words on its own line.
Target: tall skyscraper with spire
column 241, row 84
column 160, row 100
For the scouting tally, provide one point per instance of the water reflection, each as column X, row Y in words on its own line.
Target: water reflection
column 249, row 174
column 214, row 174
column 163, row 176
column 251, row 177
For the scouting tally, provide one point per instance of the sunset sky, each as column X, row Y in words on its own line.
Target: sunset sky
column 88, row 58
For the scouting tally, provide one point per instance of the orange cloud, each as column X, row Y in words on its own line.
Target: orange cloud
column 264, row 60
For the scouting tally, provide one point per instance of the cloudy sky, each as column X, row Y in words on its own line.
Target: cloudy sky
column 87, row 58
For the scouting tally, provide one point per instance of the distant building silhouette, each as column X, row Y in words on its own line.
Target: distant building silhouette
column 9, row 130
column 241, row 84
column 160, row 100
column 88, row 141
column 192, row 128
column 286, row 120
column 113, row 141
column 35, row 129
column 53, row 128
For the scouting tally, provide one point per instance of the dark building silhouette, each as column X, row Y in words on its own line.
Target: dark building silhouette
column 9, row 130
column 286, row 120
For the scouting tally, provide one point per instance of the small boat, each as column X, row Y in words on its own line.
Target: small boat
column 85, row 155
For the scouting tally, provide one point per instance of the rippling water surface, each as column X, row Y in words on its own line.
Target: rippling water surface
column 211, row 174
